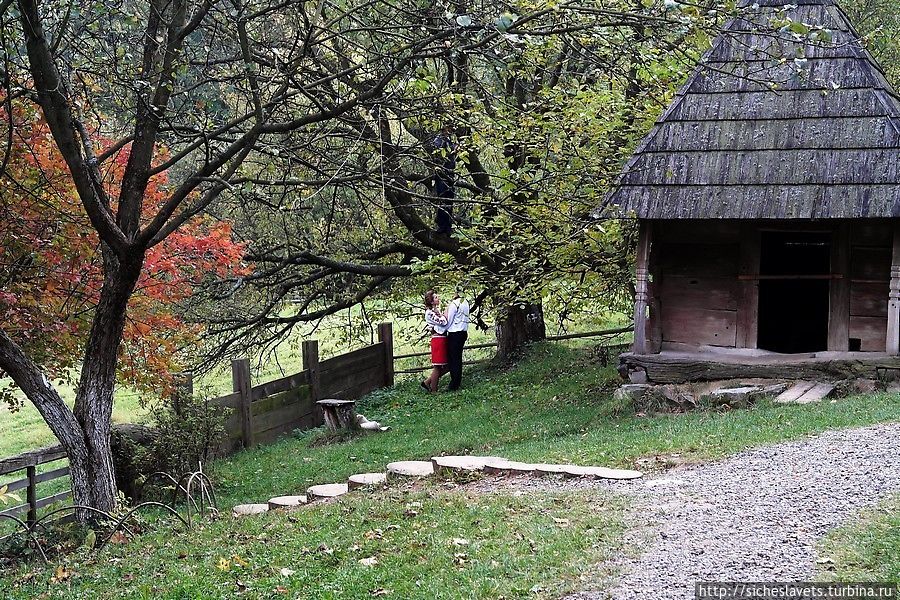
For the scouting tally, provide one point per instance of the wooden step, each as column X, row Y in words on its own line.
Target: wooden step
column 410, row 468
column 366, row 480
column 508, row 467
column 326, row 491
column 795, row 391
column 287, row 502
column 600, row 472
column 242, row 510
column 462, row 463
column 816, row 393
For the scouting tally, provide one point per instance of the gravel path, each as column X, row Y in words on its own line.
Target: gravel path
column 755, row 516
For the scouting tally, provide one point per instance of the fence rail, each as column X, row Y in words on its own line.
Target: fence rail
column 552, row 338
column 29, row 462
column 263, row 412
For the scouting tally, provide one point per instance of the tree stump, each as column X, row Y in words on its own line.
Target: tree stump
column 339, row 414
column 326, row 491
column 366, row 479
column 286, row 502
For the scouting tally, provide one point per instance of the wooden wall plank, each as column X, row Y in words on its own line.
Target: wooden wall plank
column 279, row 385
column 747, row 289
column 713, row 231
column 871, row 263
column 869, row 299
column 871, row 232
column 707, row 292
column 699, row 260
column 839, row 290
column 699, row 326
column 300, row 395
column 872, row 332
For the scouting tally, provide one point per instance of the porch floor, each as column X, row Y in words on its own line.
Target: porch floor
column 680, row 366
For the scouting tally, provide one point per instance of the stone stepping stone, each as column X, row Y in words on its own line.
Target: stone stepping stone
column 243, row 510
column 543, row 470
column 508, row 467
column 600, row 472
column 366, row 480
column 462, row 463
column 325, row 491
column 410, row 468
column 287, row 502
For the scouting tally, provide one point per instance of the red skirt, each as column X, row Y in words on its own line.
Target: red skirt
column 439, row 350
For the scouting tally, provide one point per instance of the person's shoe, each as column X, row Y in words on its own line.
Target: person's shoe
column 424, row 386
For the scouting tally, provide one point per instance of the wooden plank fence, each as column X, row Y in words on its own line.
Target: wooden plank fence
column 608, row 333
column 261, row 413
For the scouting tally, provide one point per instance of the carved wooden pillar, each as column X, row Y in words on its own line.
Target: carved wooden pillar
column 641, row 288
column 893, row 320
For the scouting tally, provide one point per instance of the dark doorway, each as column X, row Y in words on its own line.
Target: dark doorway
column 794, row 278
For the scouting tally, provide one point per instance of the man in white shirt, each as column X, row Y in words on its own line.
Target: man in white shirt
column 457, row 333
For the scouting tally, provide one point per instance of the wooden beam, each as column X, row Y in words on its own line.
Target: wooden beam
column 839, row 290
column 892, row 344
column 748, row 288
column 386, row 337
column 641, row 295
column 240, row 378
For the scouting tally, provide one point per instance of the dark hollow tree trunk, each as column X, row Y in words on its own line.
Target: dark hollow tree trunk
column 517, row 326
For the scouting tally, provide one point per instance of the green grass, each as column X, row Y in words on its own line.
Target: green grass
column 555, row 406
column 867, row 549
column 428, row 544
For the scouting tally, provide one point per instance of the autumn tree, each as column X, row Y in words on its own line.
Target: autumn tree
column 182, row 95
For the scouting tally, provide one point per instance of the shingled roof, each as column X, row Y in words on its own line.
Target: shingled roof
column 773, row 126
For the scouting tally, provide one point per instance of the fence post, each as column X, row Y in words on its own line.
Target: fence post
column 184, row 390
column 386, row 335
column 309, row 350
column 240, row 377
column 31, row 494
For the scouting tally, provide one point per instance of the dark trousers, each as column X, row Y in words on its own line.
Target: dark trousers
column 456, row 340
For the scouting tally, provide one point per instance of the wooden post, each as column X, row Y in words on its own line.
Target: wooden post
column 748, row 288
column 31, row 493
column 240, row 377
column 386, row 336
column 892, row 345
column 309, row 349
column 184, row 390
column 839, row 290
column 641, row 295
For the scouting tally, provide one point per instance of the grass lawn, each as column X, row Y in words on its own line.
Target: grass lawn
column 868, row 549
column 554, row 406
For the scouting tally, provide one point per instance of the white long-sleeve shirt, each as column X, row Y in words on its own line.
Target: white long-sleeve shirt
column 458, row 315
column 436, row 321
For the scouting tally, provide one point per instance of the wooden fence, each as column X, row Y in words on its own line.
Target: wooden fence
column 261, row 413
column 607, row 333
column 29, row 462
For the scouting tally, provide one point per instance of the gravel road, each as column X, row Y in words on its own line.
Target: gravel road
column 755, row 516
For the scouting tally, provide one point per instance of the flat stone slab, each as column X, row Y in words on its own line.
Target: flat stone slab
column 548, row 469
column 327, row 490
column 410, row 468
column 508, row 467
column 287, row 502
column 600, row 472
column 462, row 463
column 366, row 480
column 242, row 510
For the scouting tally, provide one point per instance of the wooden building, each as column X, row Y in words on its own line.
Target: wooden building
column 768, row 196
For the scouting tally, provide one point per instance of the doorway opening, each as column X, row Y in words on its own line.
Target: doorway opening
column 794, row 278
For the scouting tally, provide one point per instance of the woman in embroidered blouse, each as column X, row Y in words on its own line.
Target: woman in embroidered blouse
column 437, row 323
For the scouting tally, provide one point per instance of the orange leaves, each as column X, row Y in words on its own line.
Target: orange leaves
column 51, row 266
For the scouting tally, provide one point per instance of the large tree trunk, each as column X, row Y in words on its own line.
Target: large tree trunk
column 517, row 326
column 84, row 431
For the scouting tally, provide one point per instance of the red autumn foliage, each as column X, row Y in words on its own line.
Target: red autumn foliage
column 51, row 271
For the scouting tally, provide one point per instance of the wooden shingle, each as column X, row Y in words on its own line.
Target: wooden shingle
column 772, row 124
